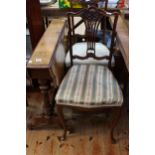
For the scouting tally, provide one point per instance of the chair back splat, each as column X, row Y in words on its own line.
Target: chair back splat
column 92, row 18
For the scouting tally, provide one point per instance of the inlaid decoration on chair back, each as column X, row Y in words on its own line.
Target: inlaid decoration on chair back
column 92, row 18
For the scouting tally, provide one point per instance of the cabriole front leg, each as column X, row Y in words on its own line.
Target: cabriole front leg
column 116, row 117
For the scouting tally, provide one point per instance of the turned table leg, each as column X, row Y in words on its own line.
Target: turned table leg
column 45, row 118
column 44, row 87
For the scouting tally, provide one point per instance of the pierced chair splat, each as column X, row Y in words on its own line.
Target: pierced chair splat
column 90, row 87
column 96, row 38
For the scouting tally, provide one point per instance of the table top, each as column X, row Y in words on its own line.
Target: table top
column 42, row 54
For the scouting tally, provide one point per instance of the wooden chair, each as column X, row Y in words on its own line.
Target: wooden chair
column 90, row 87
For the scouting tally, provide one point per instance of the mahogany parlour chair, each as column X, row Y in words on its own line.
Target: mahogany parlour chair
column 90, row 87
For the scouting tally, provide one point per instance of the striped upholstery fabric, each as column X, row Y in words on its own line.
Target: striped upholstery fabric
column 89, row 86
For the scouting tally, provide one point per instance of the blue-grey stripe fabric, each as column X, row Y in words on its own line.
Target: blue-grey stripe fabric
column 89, row 86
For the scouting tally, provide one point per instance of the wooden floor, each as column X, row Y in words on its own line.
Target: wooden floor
column 90, row 137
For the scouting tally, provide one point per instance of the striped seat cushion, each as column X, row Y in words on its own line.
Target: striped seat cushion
column 89, row 86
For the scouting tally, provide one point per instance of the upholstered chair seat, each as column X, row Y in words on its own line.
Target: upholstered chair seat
column 89, row 86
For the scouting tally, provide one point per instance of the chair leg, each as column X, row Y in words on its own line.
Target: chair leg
column 62, row 121
column 116, row 116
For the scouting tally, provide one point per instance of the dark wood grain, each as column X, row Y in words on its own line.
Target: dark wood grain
column 35, row 23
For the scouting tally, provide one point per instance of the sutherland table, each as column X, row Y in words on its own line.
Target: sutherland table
column 47, row 61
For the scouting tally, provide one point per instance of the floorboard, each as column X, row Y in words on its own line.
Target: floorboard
column 91, row 134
